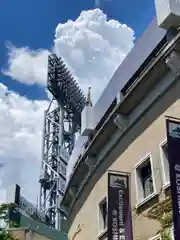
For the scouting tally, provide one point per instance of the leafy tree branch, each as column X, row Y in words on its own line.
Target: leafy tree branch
column 5, row 234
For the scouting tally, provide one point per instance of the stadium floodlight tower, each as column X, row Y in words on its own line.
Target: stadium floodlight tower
column 62, row 122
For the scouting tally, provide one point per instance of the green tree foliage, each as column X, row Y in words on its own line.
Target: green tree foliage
column 4, row 233
column 161, row 212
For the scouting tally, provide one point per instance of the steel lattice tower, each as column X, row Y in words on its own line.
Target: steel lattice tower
column 62, row 122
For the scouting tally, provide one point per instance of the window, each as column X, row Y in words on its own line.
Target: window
column 144, row 179
column 62, row 169
column 165, row 163
column 103, row 215
column 62, row 185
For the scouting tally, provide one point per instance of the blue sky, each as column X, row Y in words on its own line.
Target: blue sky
column 32, row 23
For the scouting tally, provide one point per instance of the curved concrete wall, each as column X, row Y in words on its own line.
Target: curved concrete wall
column 142, row 139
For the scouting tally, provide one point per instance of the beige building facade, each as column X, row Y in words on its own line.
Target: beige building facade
column 136, row 144
column 147, row 147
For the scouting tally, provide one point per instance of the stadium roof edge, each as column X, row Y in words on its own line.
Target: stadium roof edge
column 124, row 73
column 134, row 59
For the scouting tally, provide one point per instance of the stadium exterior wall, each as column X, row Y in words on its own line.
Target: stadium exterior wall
column 149, row 133
column 143, row 143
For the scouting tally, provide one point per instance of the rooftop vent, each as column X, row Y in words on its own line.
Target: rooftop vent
column 87, row 116
column 168, row 13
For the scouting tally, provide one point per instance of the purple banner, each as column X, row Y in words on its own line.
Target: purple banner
column 119, row 207
column 173, row 141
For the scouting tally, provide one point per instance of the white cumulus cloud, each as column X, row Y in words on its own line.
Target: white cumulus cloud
column 26, row 65
column 21, row 122
column 92, row 47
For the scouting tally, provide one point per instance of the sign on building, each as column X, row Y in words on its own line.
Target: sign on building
column 119, row 207
column 173, row 141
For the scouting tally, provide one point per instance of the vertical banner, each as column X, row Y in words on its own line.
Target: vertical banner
column 173, row 141
column 119, row 207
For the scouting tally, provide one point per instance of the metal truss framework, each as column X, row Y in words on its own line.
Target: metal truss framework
column 61, row 123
